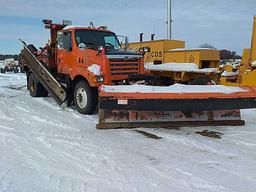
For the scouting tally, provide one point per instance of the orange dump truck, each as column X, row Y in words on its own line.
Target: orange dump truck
column 86, row 67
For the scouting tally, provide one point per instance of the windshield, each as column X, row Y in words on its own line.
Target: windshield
column 94, row 39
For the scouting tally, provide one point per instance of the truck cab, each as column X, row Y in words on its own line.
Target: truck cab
column 82, row 58
column 96, row 54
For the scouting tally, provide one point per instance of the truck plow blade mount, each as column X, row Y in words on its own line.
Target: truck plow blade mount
column 138, row 109
column 43, row 75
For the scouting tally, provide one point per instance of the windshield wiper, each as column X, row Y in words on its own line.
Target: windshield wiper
column 91, row 44
column 110, row 45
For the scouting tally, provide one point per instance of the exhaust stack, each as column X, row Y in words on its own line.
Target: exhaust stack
column 141, row 37
column 153, row 37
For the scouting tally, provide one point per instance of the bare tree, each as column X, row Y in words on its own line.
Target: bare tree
column 227, row 54
column 207, row 45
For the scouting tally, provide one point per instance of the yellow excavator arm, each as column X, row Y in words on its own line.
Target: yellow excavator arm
column 253, row 45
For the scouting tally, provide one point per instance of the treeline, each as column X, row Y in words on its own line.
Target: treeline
column 3, row 57
column 228, row 54
column 224, row 53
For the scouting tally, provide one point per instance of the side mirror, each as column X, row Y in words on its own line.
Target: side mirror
column 82, row 46
column 146, row 49
column 100, row 48
column 126, row 43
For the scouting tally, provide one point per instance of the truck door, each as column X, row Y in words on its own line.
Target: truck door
column 65, row 55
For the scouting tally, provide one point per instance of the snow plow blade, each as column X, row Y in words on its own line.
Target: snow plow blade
column 143, row 109
column 43, row 75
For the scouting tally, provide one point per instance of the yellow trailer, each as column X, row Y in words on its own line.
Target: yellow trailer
column 204, row 58
column 157, row 49
column 204, row 62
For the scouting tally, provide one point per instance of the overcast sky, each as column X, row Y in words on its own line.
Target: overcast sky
column 222, row 23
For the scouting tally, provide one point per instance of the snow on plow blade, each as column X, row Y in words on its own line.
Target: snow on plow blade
column 174, row 106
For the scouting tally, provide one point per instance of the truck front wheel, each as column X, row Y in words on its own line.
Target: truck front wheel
column 35, row 88
column 86, row 98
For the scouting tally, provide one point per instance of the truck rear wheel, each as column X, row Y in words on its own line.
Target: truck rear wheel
column 35, row 88
column 86, row 98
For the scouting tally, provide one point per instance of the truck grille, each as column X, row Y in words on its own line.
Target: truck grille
column 124, row 67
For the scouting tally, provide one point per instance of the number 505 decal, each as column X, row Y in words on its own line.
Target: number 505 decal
column 156, row 54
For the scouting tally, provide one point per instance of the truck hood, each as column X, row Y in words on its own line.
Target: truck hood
column 120, row 53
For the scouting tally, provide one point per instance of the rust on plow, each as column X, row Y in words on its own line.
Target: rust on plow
column 168, row 125
column 114, row 119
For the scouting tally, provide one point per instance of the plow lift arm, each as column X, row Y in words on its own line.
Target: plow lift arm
column 43, row 75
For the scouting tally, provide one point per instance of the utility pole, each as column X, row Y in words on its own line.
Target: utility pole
column 169, row 19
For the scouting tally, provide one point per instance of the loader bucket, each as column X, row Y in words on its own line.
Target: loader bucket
column 135, row 108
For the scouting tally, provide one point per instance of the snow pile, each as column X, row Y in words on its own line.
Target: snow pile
column 229, row 74
column 73, row 26
column 179, row 67
column 95, row 69
column 11, row 79
column 176, row 88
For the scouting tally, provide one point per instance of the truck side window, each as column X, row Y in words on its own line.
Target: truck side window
column 65, row 41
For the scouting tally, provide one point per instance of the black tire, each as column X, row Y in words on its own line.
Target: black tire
column 35, row 88
column 85, row 98
column 202, row 81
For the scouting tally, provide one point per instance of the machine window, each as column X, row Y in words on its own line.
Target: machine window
column 93, row 39
column 111, row 40
column 65, row 41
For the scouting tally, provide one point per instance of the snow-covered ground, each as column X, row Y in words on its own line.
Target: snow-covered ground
column 47, row 148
